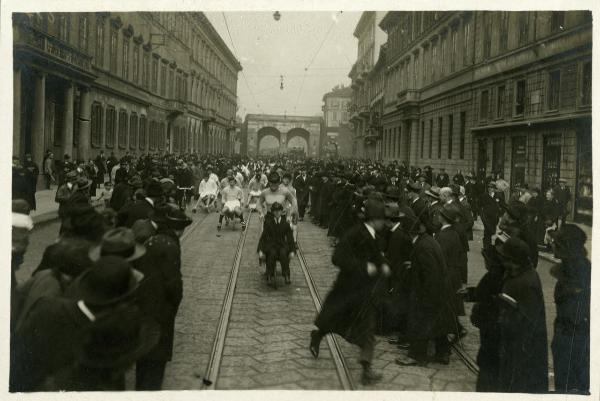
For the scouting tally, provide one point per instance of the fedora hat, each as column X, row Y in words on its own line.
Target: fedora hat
column 433, row 192
column 516, row 210
column 374, row 209
column 118, row 339
column 118, row 242
column 83, row 183
column 515, row 249
column 110, row 279
column 450, row 212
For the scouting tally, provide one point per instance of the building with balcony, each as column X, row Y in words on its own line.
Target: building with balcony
column 143, row 82
column 337, row 134
column 492, row 92
column 370, row 40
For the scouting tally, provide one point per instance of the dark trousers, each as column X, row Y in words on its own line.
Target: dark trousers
column 366, row 350
column 488, row 231
column 418, row 348
column 571, row 354
column 301, row 209
column 149, row 375
column 281, row 255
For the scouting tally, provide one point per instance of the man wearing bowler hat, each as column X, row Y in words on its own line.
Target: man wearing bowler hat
column 141, row 208
column 489, row 203
column 110, row 282
column 349, row 309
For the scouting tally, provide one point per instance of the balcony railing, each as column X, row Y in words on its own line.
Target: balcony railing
column 407, row 96
column 55, row 47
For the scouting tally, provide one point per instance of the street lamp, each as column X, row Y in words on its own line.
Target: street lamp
column 276, row 15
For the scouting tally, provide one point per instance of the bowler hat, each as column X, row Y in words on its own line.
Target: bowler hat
column 569, row 234
column 517, row 210
column 118, row 339
column 411, row 224
column 177, row 219
column 83, row 183
column 118, row 242
column 110, row 279
column 515, row 249
column 70, row 256
column 393, row 193
column 450, row 212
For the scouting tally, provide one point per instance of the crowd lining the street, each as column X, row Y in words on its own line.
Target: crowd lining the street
column 106, row 293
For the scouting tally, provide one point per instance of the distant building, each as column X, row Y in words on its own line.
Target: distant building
column 143, row 82
column 494, row 93
column 367, row 84
column 337, row 134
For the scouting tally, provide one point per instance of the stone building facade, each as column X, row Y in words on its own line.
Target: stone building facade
column 337, row 135
column 143, row 82
column 493, row 93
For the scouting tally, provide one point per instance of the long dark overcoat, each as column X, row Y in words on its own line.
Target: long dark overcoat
column 523, row 338
column 161, row 291
column 450, row 242
column 349, row 308
column 430, row 313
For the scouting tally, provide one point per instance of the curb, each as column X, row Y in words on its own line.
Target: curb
column 53, row 214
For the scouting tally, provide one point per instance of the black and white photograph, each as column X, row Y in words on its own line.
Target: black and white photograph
column 379, row 197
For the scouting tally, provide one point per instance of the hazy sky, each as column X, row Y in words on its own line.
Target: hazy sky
column 268, row 49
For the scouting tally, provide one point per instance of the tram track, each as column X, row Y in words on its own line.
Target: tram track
column 339, row 361
column 209, row 381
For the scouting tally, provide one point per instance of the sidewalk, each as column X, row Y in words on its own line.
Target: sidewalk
column 547, row 255
column 47, row 208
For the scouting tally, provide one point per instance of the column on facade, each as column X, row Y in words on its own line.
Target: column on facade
column 210, row 140
column 17, row 111
column 405, row 141
column 67, row 129
column 413, row 139
column 283, row 142
column 190, row 135
column 85, row 112
column 39, row 111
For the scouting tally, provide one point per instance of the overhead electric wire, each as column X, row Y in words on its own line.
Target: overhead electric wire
column 313, row 59
column 236, row 53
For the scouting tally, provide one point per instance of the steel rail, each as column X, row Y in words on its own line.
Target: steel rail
column 336, row 352
column 209, row 380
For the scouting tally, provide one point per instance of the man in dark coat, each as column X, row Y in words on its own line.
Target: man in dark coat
column 277, row 243
column 100, row 163
column 301, row 183
column 572, row 295
column 123, row 192
column 430, row 316
column 20, row 185
column 562, row 193
column 417, row 204
column 161, row 292
column 33, row 171
column 523, row 337
column 442, row 180
column 141, row 208
column 349, row 308
column 452, row 249
column 489, row 203
column 516, row 217
column 122, row 174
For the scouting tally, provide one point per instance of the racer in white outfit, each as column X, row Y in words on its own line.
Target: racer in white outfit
column 208, row 190
column 231, row 196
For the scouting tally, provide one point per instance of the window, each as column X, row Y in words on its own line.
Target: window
column 484, row 105
column 463, row 129
column 586, row 84
column 450, row 133
column 64, row 27
column 557, row 23
column 84, row 33
column 422, row 139
column 142, row 132
column 96, row 125
column 151, row 140
column 111, row 126
column 442, row 62
column 433, row 61
column 145, row 69
column 520, row 97
column 163, row 80
column 554, row 90
column 161, row 136
column 498, row 155
column 430, row 139
column 440, row 124
column 125, row 64
column 100, row 42
column 122, row 129
column 523, row 27
column 503, row 31
column 487, row 35
column 113, row 50
column 453, row 50
column 467, row 41
column 500, row 102
column 171, row 83
column 133, row 131
column 154, row 74
column 136, row 63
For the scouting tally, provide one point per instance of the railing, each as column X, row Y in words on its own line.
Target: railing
column 176, row 105
column 55, row 47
